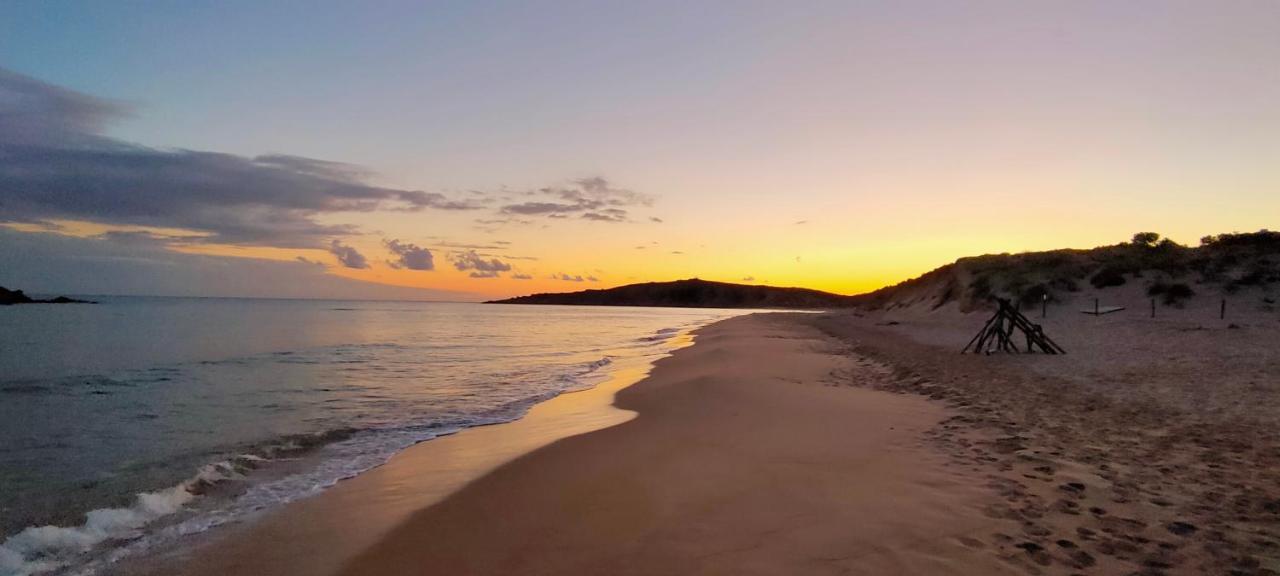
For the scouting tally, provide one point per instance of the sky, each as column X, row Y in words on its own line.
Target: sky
column 470, row 150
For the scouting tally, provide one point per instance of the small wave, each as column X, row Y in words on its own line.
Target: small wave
column 44, row 548
column 660, row 335
column 39, row 549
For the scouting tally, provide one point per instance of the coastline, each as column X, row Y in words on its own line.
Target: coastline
column 829, row 443
column 316, row 534
column 833, row 443
column 750, row 453
column 744, row 452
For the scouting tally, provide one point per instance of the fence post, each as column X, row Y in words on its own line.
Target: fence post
column 1222, row 314
column 1153, row 307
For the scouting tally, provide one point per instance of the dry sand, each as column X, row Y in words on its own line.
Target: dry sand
column 1153, row 447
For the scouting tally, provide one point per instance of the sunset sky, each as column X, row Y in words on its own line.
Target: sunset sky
column 482, row 149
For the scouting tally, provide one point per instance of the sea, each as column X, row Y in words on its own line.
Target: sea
column 143, row 420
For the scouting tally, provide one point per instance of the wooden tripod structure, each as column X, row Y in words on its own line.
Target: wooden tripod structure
column 997, row 334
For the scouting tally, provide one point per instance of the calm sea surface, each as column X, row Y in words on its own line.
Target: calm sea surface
column 135, row 413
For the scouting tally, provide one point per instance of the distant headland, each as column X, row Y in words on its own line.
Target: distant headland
column 11, row 297
column 692, row 293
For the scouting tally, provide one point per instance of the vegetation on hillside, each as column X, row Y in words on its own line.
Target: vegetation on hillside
column 1169, row 270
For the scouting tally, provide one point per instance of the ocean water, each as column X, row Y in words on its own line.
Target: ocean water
column 144, row 418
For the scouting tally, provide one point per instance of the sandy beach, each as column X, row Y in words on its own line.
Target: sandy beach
column 746, row 458
column 836, row 443
column 748, row 452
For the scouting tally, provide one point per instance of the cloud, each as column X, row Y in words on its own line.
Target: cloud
column 655, row 219
column 478, row 265
column 607, row 215
column 800, row 222
column 521, row 277
column 139, row 237
column 35, row 113
column 466, row 246
column 348, row 256
column 677, row 252
column 592, row 279
column 566, row 277
column 409, row 256
column 57, row 164
column 590, row 198
column 749, row 279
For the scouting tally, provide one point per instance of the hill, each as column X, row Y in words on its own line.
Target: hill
column 1145, row 267
column 692, row 293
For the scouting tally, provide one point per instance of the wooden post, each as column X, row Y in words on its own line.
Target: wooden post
column 1095, row 307
column 1222, row 314
column 1153, row 307
column 1044, row 305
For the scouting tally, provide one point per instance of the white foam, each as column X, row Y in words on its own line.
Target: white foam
column 43, row 548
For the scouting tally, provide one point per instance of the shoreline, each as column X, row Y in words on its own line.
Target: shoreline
column 744, row 452
column 833, row 444
column 351, row 513
column 747, row 456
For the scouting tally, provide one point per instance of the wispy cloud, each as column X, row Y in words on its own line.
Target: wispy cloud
column 587, row 198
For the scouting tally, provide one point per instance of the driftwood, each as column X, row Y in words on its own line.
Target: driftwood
column 997, row 334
